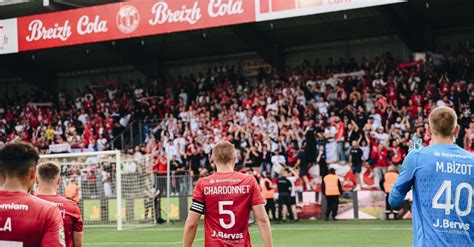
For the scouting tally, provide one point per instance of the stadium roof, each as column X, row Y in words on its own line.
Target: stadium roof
column 415, row 23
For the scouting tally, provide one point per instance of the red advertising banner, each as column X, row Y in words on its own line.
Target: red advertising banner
column 136, row 18
column 128, row 19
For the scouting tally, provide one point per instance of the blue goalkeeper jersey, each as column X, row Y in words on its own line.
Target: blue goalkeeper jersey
column 441, row 176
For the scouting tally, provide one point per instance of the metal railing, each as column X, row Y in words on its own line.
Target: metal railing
column 128, row 138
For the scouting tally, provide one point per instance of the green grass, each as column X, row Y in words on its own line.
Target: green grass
column 304, row 233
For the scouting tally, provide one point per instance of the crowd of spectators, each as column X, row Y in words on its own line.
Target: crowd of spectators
column 365, row 113
column 85, row 121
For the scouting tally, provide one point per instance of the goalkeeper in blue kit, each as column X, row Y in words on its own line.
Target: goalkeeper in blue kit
column 441, row 176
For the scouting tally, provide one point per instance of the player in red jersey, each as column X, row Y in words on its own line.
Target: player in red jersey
column 48, row 181
column 226, row 198
column 25, row 220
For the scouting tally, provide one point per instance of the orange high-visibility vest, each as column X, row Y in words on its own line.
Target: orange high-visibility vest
column 390, row 178
column 268, row 194
column 331, row 183
column 72, row 191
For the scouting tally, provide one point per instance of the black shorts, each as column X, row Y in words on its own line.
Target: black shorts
column 303, row 171
column 356, row 168
column 293, row 200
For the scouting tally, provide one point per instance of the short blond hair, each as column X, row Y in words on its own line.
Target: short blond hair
column 48, row 170
column 223, row 153
column 443, row 121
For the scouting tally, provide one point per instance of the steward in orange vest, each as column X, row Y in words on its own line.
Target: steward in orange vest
column 332, row 189
column 268, row 192
column 386, row 184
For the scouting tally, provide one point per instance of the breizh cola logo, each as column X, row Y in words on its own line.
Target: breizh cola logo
column 128, row 19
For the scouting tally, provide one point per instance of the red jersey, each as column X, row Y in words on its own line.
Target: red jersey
column 226, row 199
column 70, row 213
column 28, row 221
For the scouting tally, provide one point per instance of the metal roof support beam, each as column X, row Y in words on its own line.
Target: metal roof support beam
column 263, row 45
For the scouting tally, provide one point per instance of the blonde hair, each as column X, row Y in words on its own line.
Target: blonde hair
column 223, row 153
column 48, row 170
column 443, row 121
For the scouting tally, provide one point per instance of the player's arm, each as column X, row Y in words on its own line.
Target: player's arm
column 263, row 223
column 77, row 237
column 404, row 182
column 54, row 232
column 190, row 228
column 77, row 230
column 261, row 216
column 192, row 222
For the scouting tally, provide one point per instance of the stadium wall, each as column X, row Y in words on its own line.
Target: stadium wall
column 71, row 81
column 13, row 87
column 454, row 38
column 369, row 48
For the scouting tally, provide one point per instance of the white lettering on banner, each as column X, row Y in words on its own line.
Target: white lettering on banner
column 164, row 14
column 38, row 31
column 86, row 26
column 218, row 8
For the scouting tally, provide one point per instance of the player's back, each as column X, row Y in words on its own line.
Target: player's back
column 70, row 214
column 28, row 221
column 227, row 199
column 442, row 207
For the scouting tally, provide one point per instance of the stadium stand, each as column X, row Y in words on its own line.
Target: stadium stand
column 383, row 104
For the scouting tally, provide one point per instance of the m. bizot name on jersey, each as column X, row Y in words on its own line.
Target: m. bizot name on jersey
column 453, row 167
column 449, row 225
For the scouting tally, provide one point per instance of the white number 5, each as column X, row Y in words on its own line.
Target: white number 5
column 226, row 212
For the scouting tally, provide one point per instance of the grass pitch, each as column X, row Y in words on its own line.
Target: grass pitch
column 305, row 233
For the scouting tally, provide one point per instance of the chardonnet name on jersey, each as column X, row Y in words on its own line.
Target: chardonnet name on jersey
column 226, row 190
